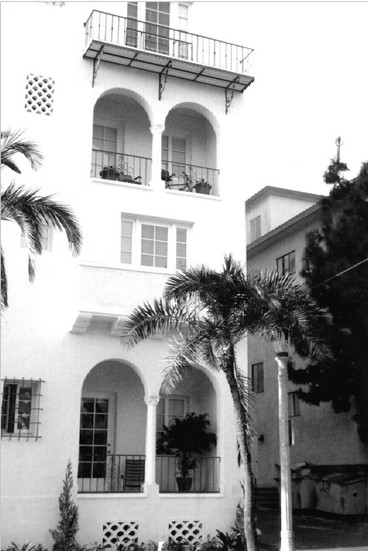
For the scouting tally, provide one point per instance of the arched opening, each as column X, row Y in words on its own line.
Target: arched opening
column 189, row 147
column 195, row 394
column 122, row 141
column 112, row 427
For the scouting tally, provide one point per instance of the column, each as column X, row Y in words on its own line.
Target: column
column 156, row 181
column 287, row 543
column 150, row 470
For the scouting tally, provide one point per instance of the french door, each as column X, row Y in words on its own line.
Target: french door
column 157, row 27
column 96, row 436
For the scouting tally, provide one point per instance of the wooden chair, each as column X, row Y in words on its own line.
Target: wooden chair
column 133, row 477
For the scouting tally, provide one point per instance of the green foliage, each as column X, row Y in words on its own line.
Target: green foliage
column 186, row 437
column 27, row 546
column 64, row 535
column 340, row 244
column 30, row 210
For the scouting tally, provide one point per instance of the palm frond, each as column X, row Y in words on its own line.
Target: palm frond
column 12, row 143
column 32, row 212
column 4, row 283
column 162, row 316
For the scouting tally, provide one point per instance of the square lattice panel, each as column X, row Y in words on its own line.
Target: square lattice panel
column 120, row 532
column 39, row 94
column 185, row 530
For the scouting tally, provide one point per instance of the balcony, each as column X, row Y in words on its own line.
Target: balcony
column 166, row 51
column 131, row 169
column 115, row 474
column 190, row 178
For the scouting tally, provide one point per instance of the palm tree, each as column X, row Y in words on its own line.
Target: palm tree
column 207, row 313
column 31, row 211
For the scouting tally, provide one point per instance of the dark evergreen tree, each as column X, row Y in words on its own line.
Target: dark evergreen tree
column 67, row 528
column 336, row 271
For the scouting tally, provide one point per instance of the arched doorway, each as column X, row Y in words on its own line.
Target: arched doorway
column 195, row 394
column 112, row 427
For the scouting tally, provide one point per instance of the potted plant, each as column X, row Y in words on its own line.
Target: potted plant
column 202, row 186
column 109, row 173
column 187, row 438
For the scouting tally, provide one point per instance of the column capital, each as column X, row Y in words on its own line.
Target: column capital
column 157, row 128
column 152, row 400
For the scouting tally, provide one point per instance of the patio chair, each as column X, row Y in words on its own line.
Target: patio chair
column 133, row 477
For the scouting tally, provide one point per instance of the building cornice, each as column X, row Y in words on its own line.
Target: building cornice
column 282, row 192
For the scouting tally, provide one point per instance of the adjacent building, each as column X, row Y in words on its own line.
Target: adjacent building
column 278, row 222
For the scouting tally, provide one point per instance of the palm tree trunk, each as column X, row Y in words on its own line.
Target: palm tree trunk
column 249, row 490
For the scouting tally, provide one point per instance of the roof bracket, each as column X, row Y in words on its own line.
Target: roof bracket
column 162, row 78
column 96, row 64
column 229, row 94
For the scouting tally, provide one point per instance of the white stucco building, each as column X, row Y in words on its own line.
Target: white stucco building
column 124, row 85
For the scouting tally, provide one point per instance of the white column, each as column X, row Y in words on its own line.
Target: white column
column 287, row 539
column 150, row 470
column 156, row 181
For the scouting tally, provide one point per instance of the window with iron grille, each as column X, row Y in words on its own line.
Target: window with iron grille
column 286, row 263
column 20, row 409
column 258, row 377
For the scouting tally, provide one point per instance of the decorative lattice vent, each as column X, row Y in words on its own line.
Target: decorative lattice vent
column 120, row 532
column 40, row 94
column 186, row 531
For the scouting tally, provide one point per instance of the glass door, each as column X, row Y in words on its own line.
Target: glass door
column 157, row 27
column 95, row 437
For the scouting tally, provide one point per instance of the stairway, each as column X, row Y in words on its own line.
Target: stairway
column 267, row 498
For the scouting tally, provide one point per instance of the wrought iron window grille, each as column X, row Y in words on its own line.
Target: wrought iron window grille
column 20, row 409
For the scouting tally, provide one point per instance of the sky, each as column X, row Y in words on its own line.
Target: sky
column 311, row 86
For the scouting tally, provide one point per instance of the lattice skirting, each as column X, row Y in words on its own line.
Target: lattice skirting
column 185, row 531
column 120, row 532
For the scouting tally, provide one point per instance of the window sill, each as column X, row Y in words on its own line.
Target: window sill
column 126, row 267
column 189, row 194
column 121, row 184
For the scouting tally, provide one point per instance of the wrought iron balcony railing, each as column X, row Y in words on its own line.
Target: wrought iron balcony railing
column 121, row 166
column 204, row 477
column 121, row 473
column 192, row 178
column 179, row 44
column 109, row 473
column 165, row 51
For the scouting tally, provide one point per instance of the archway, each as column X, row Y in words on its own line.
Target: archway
column 112, row 426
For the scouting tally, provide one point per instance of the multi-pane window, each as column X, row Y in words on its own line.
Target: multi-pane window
column 255, row 228
column 157, row 26
column 104, row 144
column 126, row 241
column 157, row 245
column 132, row 25
column 286, row 263
column 294, row 406
column 258, row 377
column 20, row 409
column 170, row 408
column 181, row 248
column 183, row 36
column 154, row 245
